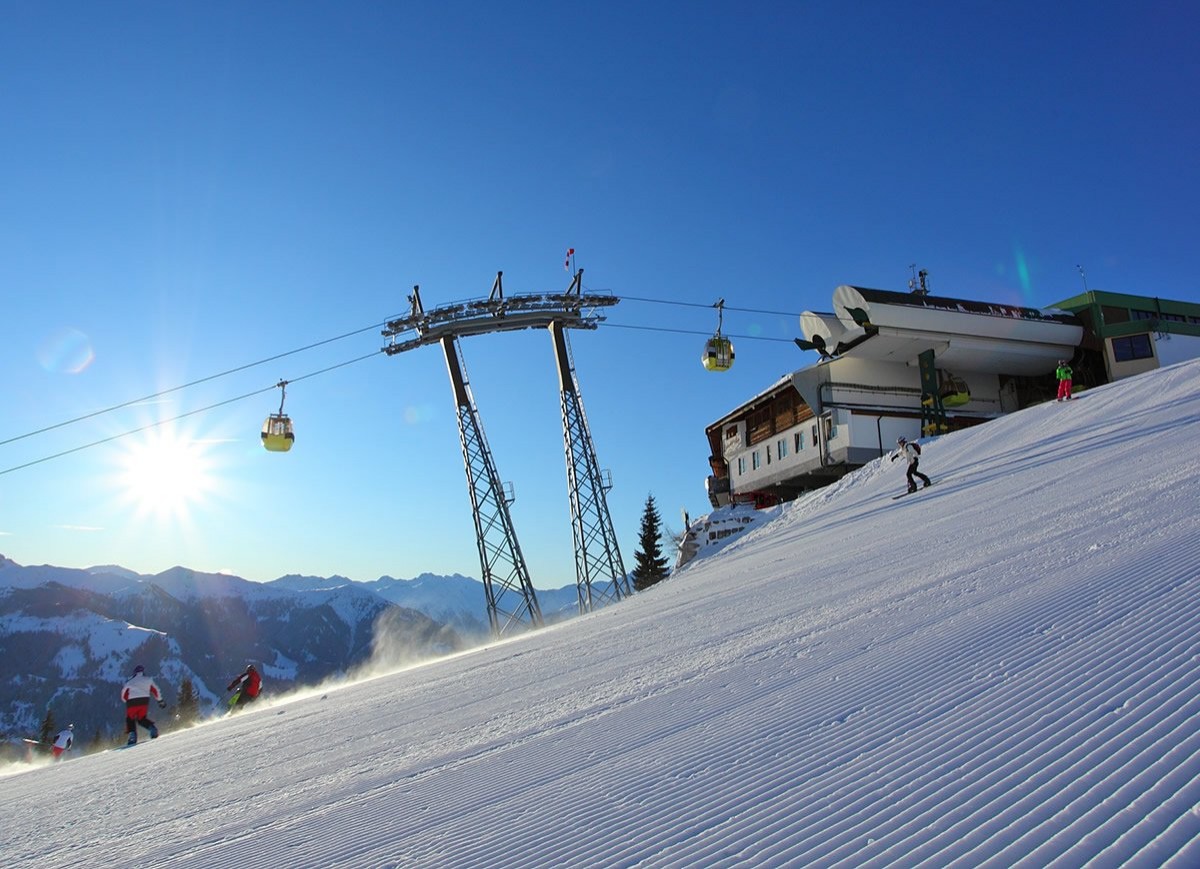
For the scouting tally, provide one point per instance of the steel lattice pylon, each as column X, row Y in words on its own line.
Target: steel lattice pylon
column 599, row 572
column 511, row 602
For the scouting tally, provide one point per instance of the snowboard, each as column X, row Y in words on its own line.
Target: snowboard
column 913, row 492
column 142, row 740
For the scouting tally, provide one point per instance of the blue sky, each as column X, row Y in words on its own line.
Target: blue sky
column 187, row 190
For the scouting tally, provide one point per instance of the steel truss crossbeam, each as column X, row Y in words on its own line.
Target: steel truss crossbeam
column 574, row 309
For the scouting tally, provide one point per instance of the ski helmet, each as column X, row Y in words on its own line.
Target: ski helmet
column 70, row 727
column 139, row 669
column 900, row 441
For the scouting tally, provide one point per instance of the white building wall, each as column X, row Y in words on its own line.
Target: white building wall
column 1176, row 348
column 1131, row 367
column 778, row 458
column 856, row 382
column 876, row 433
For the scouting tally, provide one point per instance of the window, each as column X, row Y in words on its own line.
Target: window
column 781, row 447
column 741, row 465
column 814, row 436
column 768, row 454
column 799, row 441
column 755, row 462
column 1158, row 315
column 1113, row 315
column 1133, row 347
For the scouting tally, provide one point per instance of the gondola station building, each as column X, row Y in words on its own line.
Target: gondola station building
column 916, row 365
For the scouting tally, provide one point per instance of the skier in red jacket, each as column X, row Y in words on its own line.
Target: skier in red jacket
column 137, row 694
column 63, row 742
column 248, row 684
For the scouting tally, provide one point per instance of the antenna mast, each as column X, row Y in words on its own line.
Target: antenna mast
column 917, row 284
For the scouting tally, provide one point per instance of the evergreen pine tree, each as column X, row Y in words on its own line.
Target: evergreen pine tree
column 49, row 731
column 189, row 701
column 650, row 563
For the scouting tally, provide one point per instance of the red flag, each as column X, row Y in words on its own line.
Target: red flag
column 567, row 261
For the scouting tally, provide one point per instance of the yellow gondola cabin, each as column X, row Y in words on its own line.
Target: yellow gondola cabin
column 954, row 391
column 278, row 435
column 718, row 354
column 718, row 351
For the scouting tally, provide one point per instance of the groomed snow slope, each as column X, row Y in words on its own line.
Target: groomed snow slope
column 1000, row 671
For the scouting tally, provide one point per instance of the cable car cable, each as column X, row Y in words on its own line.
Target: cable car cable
column 183, row 415
column 192, row 383
column 134, row 431
column 694, row 332
column 702, row 305
column 311, row 346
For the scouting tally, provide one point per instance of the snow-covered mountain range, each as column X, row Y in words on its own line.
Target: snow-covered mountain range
column 69, row 637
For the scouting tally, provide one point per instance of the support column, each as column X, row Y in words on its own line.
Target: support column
column 599, row 572
column 511, row 601
column 933, row 413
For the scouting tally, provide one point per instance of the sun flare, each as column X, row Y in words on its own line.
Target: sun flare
column 166, row 474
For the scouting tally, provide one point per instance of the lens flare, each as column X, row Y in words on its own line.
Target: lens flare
column 1022, row 267
column 65, row 351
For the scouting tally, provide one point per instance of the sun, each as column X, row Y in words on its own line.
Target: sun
column 165, row 474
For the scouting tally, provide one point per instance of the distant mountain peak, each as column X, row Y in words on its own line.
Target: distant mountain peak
column 112, row 570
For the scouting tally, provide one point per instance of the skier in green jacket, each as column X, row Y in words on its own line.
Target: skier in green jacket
column 1064, row 380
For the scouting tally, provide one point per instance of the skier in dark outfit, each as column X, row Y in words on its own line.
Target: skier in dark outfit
column 912, row 452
